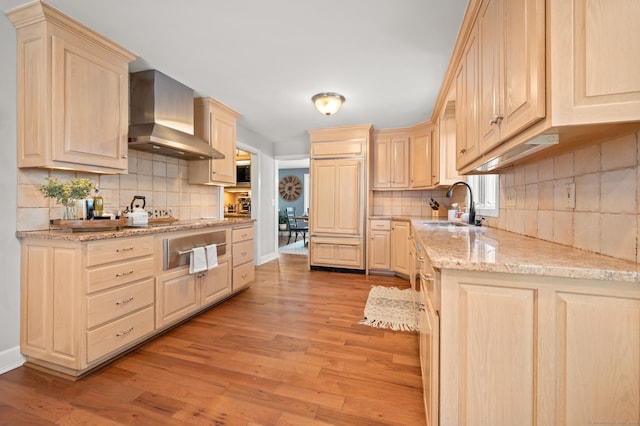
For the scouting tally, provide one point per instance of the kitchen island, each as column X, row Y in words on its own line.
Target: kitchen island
column 516, row 330
column 88, row 297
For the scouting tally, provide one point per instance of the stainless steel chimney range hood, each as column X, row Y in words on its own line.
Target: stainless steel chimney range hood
column 161, row 118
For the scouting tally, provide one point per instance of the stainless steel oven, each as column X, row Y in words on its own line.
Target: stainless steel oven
column 177, row 250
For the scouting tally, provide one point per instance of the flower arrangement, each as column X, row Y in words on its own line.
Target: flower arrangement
column 66, row 193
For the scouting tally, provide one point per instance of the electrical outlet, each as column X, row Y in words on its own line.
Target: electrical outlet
column 511, row 197
column 570, row 195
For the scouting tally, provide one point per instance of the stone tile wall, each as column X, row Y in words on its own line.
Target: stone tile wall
column 605, row 219
column 162, row 180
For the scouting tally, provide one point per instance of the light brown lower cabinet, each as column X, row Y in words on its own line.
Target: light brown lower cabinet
column 180, row 294
column 536, row 350
column 84, row 301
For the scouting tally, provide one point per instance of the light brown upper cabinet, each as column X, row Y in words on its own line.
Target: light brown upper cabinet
column 527, row 68
column 511, row 67
column 466, row 80
column 73, row 93
column 421, row 156
column 594, row 61
column 390, row 159
column 215, row 123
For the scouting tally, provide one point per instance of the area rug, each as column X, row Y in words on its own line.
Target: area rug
column 390, row 307
column 294, row 248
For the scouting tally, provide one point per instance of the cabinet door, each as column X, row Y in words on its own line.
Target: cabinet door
column 382, row 163
column 595, row 61
column 176, row 296
column 337, row 197
column 447, row 173
column 421, row 167
column 400, row 247
column 490, row 73
column 90, row 101
column 523, row 87
column 467, row 103
column 486, row 328
column 379, row 250
column 598, row 358
column 216, row 284
column 224, row 140
column 429, row 324
column 50, row 312
column 400, row 162
column 215, row 123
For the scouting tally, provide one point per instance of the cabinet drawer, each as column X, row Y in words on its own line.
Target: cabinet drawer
column 243, row 275
column 102, row 252
column 242, row 252
column 345, row 253
column 242, row 234
column 117, row 274
column 119, row 333
column 116, row 303
column 380, row 224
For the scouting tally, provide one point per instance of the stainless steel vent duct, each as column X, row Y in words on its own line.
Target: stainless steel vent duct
column 161, row 118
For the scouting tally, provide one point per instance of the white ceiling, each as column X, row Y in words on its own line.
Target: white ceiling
column 266, row 59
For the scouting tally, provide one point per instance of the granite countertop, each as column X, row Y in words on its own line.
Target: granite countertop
column 486, row 249
column 179, row 225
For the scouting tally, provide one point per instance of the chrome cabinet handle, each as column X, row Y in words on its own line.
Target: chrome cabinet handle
column 124, row 249
column 125, row 301
column 124, row 333
column 124, row 274
column 496, row 118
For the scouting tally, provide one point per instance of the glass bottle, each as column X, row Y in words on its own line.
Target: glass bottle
column 98, row 203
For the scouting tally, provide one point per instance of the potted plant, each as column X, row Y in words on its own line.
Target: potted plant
column 283, row 221
column 67, row 193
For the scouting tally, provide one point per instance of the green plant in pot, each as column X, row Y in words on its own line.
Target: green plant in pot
column 283, row 221
column 67, row 193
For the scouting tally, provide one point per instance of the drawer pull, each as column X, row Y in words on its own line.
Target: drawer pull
column 125, row 301
column 124, row 333
column 202, row 274
column 244, row 276
column 124, row 249
column 244, row 235
column 427, row 277
column 420, row 259
column 124, row 274
column 244, row 253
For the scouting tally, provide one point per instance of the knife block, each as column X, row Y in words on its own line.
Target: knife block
column 441, row 213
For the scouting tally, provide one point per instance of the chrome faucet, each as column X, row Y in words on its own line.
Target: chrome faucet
column 472, row 210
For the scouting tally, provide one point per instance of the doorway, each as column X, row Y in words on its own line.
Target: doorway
column 293, row 195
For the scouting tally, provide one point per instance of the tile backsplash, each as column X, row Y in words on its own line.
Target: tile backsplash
column 162, row 180
column 607, row 182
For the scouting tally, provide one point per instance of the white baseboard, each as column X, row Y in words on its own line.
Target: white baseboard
column 10, row 359
column 267, row 258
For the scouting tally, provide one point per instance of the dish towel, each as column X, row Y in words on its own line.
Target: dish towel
column 198, row 260
column 212, row 256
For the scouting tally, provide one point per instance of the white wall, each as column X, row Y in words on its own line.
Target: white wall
column 9, row 245
column 263, row 193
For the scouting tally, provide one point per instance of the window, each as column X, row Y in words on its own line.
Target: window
column 486, row 194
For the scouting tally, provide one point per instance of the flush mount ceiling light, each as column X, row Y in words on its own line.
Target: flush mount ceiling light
column 328, row 103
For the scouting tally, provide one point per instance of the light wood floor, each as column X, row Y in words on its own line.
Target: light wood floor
column 288, row 351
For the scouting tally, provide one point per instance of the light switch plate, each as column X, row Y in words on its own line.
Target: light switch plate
column 570, row 195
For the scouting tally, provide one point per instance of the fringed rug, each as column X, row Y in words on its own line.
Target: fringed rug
column 297, row 247
column 390, row 307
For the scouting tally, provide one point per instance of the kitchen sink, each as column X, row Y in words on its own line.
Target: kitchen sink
column 444, row 223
